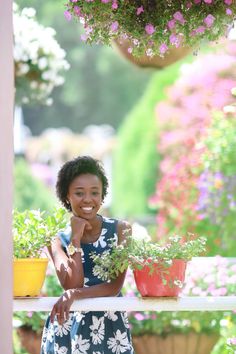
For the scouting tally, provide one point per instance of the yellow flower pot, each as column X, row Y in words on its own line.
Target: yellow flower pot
column 29, row 275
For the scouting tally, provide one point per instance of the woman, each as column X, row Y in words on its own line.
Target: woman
column 81, row 187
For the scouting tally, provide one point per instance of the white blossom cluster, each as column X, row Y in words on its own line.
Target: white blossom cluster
column 39, row 60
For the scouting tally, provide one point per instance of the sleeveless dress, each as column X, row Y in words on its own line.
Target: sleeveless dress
column 90, row 332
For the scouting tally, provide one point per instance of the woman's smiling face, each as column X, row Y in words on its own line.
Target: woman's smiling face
column 85, row 195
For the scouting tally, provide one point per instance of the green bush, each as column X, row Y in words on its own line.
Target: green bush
column 30, row 192
column 136, row 158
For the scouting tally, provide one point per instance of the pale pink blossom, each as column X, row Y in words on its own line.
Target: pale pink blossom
column 209, row 20
column 179, row 17
column 83, row 37
column 67, row 15
column 114, row 5
column 150, row 29
column 139, row 10
column 114, row 26
column 208, row 1
column 228, row 2
column 171, row 24
column 163, row 48
column 77, row 10
column 130, row 49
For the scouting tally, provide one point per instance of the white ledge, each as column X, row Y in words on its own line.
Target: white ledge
column 198, row 303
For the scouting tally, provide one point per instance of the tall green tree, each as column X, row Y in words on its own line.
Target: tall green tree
column 136, row 157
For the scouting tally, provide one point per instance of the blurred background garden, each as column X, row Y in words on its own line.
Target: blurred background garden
column 167, row 139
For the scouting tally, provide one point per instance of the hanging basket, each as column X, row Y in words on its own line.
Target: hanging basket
column 158, row 62
column 191, row 343
column 29, row 339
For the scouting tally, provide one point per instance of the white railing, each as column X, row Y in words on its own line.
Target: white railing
column 191, row 303
column 198, row 303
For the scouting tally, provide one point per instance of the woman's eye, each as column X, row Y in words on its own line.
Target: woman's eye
column 95, row 193
column 79, row 194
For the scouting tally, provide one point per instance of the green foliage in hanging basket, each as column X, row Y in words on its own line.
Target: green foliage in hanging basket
column 151, row 26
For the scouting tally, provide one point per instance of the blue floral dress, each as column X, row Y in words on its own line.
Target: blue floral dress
column 90, row 332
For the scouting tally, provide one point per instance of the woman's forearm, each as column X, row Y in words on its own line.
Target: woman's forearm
column 101, row 290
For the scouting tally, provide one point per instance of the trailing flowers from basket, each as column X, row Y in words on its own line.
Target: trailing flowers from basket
column 151, row 26
column 159, row 270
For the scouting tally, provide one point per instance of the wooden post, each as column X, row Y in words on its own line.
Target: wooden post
column 6, row 163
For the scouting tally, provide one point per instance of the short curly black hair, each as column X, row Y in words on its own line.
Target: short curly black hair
column 72, row 169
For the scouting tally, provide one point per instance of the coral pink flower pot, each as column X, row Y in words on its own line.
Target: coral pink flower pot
column 152, row 285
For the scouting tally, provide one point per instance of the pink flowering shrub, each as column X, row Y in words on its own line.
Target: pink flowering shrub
column 204, row 277
column 197, row 188
column 152, row 27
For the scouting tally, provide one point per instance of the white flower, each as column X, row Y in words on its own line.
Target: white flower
column 64, row 329
column 60, row 350
column 78, row 316
column 101, row 240
column 97, row 330
column 80, row 345
column 119, row 343
column 111, row 315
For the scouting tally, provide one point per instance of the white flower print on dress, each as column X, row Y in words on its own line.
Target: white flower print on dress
column 48, row 334
column 78, row 316
column 97, row 330
column 125, row 319
column 111, row 315
column 86, row 280
column 110, row 221
column 60, row 350
column 119, row 343
column 101, row 239
column 64, row 329
column 80, row 345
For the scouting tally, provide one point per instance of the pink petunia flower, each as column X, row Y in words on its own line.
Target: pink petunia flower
column 209, row 20
column 228, row 12
column 150, row 29
column 114, row 26
column 139, row 10
column 129, row 50
column 171, row 24
column 208, row 1
column 77, row 10
column 105, row 1
column 179, row 17
column 228, row 2
column 163, row 48
column 114, row 5
column 197, row 2
column 67, row 15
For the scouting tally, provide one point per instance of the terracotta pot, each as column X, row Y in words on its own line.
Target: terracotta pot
column 191, row 343
column 30, row 340
column 152, row 284
column 173, row 55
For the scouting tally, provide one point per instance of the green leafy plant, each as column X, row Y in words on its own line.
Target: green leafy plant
column 137, row 253
column 33, row 230
column 152, row 27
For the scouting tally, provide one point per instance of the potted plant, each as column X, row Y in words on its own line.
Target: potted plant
column 186, row 332
column 159, row 270
column 152, row 27
column 33, row 231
